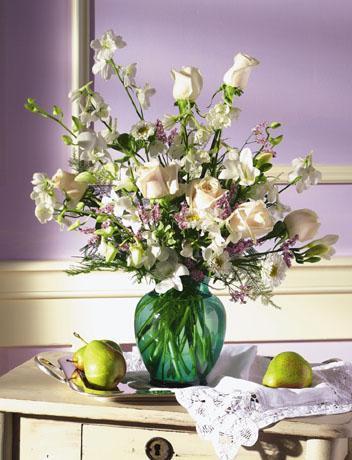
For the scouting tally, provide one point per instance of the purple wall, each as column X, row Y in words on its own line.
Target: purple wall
column 304, row 80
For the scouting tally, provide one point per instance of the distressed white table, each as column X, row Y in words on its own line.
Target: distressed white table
column 43, row 419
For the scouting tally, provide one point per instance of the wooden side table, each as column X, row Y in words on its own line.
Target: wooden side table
column 43, row 419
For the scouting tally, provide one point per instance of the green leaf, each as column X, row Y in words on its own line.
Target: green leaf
column 127, row 143
column 275, row 140
column 57, row 111
column 67, row 139
column 76, row 123
column 313, row 260
column 275, row 124
column 265, row 167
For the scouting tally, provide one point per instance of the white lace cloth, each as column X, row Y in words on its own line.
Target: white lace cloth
column 234, row 407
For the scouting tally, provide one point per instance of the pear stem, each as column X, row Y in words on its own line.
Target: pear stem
column 79, row 337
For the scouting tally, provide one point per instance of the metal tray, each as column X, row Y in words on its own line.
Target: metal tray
column 134, row 387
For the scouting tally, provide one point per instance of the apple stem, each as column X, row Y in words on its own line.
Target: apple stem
column 79, row 337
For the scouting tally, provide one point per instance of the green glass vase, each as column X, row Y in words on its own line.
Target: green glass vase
column 180, row 334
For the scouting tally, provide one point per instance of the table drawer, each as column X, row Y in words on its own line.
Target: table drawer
column 49, row 439
column 117, row 443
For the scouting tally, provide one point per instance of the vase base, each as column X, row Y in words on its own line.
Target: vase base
column 168, row 384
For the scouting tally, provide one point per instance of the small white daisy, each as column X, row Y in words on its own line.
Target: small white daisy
column 273, row 270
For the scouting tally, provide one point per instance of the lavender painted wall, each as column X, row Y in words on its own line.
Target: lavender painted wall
column 304, row 80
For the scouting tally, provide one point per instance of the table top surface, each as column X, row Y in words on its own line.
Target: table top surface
column 27, row 390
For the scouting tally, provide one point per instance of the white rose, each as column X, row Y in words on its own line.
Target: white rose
column 203, row 193
column 65, row 182
column 238, row 74
column 250, row 220
column 188, row 83
column 303, row 223
column 157, row 181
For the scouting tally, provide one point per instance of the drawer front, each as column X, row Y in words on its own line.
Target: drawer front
column 117, row 443
column 49, row 439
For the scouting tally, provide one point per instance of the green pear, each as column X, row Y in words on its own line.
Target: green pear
column 113, row 344
column 288, row 370
column 78, row 358
column 104, row 366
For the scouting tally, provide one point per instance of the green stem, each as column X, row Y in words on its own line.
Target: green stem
column 116, row 70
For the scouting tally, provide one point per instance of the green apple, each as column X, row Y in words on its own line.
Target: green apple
column 104, row 366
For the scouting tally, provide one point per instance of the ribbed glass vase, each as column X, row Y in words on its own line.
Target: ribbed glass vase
column 180, row 334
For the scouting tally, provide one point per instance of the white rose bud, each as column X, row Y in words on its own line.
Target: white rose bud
column 203, row 193
column 65, row 182
column 303, row 223
column 156, row 181
column 238, row 74
column 188, row 83
column 250, row 220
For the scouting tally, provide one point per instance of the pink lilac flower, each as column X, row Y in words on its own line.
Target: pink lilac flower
column 190, row 263
column 87, row 231
column 287, row 254
column 155, row 213
column 93, row 240
column 197, row 275
column 239, row 248
column 160, row 132
column 172, row 136
column 261, row 137
column 106, row 224
column 240, row 295
column 223, row 205
column 106, row 209
column 180, row 217
column 143, row 214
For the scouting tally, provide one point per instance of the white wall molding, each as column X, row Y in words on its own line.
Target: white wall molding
column 331, row 174
column 48, row 280
column 41, row 306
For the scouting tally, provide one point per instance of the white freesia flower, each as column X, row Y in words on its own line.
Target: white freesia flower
column 124, row 180
column 239, row 73
column 241, row 168
column 177, row 148
column 106, row 46
column 44, row 211
column 94, row 110
column 221, row 116
column 144, row 95
column 92, row 145
column 202, row 135
column 187, row 250
column 104, row 68
column 303, row 222
column 304, row 169
column 143, row 130
column 128, row 74
column 188, row 83
column 169, row 121
column 110, row 135
column 173, row 281
column 156, row 148
column 193, row 161
column 273, row 270
column 323, row 246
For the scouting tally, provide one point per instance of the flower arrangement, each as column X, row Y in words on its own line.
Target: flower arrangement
column 173, row 197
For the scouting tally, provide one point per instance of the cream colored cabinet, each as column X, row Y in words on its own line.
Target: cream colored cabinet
column 41, row 419
column 48, row 439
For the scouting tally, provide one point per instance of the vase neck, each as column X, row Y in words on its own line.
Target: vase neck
column 189, row 284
